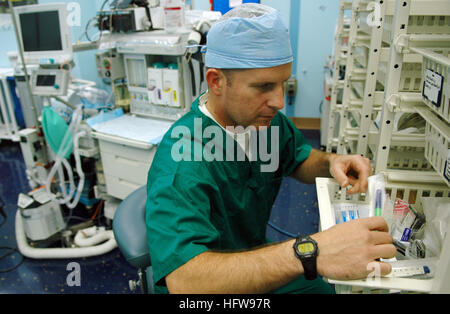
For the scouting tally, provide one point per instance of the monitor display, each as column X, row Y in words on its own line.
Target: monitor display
column 46, row 80
column 40, row 31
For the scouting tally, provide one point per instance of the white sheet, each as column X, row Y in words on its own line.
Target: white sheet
column 135, row 128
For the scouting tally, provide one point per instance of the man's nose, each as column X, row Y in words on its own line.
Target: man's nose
column 276, row 100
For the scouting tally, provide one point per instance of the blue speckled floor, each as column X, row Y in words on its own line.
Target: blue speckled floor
column 295, row 210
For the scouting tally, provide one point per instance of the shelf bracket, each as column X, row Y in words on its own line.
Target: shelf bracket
column 393, row 102
column 401, row 43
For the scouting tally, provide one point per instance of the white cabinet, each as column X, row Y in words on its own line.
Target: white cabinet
column 125, row 164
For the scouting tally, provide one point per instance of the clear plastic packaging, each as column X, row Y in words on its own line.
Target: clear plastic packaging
column 345, row 212
column 437, row 211
column 159, row 42
column 94, row 98
column 173, row 15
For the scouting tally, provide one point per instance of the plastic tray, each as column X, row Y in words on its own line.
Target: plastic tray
column 329, row 193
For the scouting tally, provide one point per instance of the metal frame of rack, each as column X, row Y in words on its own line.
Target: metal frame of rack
column 405, row 14
column 351, row 75
column 337, row 87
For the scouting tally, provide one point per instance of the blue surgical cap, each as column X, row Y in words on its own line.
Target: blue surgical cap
column 249, row 36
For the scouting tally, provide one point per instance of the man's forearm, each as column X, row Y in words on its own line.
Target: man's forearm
column 257, row 271
column 317, row 165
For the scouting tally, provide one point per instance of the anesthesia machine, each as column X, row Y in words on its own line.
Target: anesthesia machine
column 87, row 147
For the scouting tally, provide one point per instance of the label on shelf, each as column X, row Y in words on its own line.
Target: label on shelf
column 432, row 87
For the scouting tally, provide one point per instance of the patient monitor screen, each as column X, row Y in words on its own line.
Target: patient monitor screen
column 46, row 80
column 41, row 31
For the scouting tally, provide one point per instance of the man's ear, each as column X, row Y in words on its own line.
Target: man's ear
column 216, row 81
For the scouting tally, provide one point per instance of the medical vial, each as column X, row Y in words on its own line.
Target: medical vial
column 173, row 15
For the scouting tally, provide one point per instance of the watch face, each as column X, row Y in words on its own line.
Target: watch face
column 305, row 248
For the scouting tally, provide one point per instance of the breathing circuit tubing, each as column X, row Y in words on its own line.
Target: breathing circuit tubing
column 61, row 162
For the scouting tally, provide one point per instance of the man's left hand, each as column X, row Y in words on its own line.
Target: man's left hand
column 351, row 170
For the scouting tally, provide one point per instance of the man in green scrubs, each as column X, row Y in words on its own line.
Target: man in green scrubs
column 218, row 170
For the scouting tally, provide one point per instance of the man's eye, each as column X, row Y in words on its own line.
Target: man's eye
column 266, row 87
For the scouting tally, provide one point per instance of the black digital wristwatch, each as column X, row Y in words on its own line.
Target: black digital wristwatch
column 306, row 250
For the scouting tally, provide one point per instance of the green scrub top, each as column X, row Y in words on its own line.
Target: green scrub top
column 195, row 205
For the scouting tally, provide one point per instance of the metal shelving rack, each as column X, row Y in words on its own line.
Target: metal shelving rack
column 402, row 32
column 371, row 99
column 351, row 75
column 340, row 60
column 367, row 74
column 385, row 69
column 436, row 112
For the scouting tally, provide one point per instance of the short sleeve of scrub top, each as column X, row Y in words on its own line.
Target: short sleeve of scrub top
column 184, row 228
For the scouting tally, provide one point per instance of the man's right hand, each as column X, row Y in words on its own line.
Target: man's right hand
column 347, row 251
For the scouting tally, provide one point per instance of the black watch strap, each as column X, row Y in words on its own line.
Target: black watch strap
column 309, row 266
column 309, row 261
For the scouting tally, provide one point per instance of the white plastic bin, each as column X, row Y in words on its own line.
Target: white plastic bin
column 420, row 24
column 437, row 143
column 436, row 80
column 329, row 193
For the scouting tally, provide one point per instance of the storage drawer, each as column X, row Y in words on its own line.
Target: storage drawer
column 425, row 23
column 119, row 187
column 435, row 86
column 125, row 167
column 437, row 143
column 128, row 169
column 127, row 152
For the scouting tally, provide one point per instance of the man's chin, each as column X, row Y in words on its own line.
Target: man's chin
column 263, row 123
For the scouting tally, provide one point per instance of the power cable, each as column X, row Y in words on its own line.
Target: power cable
column 12, row 251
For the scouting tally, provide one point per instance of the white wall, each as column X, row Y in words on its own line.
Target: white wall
column 317, row 21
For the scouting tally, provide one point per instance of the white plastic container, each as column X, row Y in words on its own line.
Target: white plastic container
column 173, row 15
column 155, row 84
column 171, row 92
